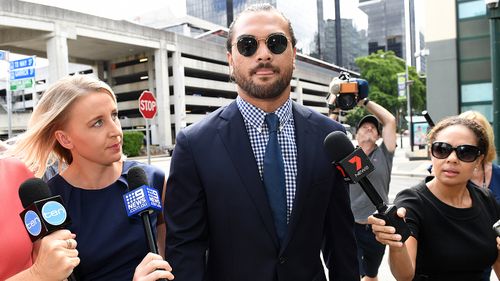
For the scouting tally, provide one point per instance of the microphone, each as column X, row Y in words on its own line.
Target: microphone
column 142, row 200
column 43, row 213
column 354, row 166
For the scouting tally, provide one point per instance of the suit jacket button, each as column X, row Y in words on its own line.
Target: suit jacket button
column 282, row 260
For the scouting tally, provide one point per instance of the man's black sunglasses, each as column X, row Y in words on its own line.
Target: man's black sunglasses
column 466, row 153
column 247, row 45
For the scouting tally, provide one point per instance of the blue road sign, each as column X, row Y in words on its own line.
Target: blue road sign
column 22, row 74
column 22, row 63
column 4, row 55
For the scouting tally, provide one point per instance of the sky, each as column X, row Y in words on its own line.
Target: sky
column 116, row 9
column 128, row 9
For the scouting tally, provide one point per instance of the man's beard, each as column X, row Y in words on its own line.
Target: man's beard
column 269, row 91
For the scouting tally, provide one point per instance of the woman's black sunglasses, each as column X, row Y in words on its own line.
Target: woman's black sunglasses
column 466, row 153
column 247, row 45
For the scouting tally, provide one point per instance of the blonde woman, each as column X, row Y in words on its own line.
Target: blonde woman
column 76, row 124
column 488, row 174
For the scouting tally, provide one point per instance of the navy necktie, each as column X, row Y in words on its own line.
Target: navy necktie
column 274, row 176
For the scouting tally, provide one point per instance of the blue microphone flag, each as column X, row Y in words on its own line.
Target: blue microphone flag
column 143, row 198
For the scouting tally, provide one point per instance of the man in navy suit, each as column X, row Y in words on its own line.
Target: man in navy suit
column 228, row 217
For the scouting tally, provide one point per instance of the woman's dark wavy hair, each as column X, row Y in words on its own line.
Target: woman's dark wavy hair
column 478, row 130
column 258, row 8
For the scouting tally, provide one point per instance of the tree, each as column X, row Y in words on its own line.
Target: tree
column 380, row 69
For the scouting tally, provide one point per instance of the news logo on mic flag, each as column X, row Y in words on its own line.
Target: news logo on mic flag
column 355, row 166
column 142, row 199
column 45, row 216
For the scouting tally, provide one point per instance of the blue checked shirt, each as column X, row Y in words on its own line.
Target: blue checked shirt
column 259, row 135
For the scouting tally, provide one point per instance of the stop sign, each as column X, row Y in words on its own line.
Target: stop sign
column 147, row 105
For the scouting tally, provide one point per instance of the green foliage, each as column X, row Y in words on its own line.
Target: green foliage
column 380, row 69
column 132, row 142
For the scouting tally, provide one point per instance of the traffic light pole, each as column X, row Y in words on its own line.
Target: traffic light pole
column 494, row 16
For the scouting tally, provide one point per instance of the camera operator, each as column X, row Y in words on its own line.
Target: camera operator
column 370, row 251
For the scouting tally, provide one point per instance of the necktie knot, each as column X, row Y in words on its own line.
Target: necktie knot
column 272, row 122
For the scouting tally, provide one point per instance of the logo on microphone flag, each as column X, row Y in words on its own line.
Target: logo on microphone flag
column 141, row 199
column 355, row 166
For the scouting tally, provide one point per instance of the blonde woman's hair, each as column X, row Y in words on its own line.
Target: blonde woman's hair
column 38, row 147
column 481, row 120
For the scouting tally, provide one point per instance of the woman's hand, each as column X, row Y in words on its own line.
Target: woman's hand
column 152, row 268
column 56, row 256
column 387, row 234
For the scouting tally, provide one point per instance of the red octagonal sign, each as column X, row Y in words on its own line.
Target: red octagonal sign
column 147, row 105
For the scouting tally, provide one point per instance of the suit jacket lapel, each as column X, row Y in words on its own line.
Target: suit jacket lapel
column 305, row 141
column 235, row 138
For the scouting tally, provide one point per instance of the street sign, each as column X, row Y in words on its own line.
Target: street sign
column 22, row 73
column 4, row 55
column 22, row 63
column 22, row 84
column 147, row 105
column 401, row 84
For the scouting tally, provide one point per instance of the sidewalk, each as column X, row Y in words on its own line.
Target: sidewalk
column 410, row 163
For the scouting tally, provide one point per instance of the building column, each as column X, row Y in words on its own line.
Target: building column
column 57, row 51
column 299, row 92
column 164, row 124
column 179, row 91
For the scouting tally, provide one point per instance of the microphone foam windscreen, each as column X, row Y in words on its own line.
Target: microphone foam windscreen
column 32, row 190
column 136, row 177
column 338, row 145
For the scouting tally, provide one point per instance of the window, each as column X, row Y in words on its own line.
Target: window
column 477, row 92
column 471, row 9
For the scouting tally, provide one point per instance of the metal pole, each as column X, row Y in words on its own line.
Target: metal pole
column 338, row 34
column 494, row 15
column 407, row 61
column 9, row 110
column 147, row 141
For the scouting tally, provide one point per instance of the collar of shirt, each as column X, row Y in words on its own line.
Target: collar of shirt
column 255, row 116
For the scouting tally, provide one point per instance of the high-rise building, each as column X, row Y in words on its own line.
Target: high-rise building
column 386, row 28
column 312, row 21
column 354, row 43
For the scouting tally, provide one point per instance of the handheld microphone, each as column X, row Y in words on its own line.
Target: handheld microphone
column 428, row 118
column 43, row 213
column 142, row 200
column 354, row 166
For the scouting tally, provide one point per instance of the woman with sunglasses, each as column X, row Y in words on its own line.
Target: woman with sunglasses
column 450, row 218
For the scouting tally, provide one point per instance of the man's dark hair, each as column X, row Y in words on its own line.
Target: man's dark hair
column 258, row 8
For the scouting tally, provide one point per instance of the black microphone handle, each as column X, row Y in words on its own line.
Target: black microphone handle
column 72, row 277
column 428, row 118
column 372, row 194
column 150, row 236
column 387, row 213
column 148, row 229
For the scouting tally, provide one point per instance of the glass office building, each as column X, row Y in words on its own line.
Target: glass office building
column 474, row 57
